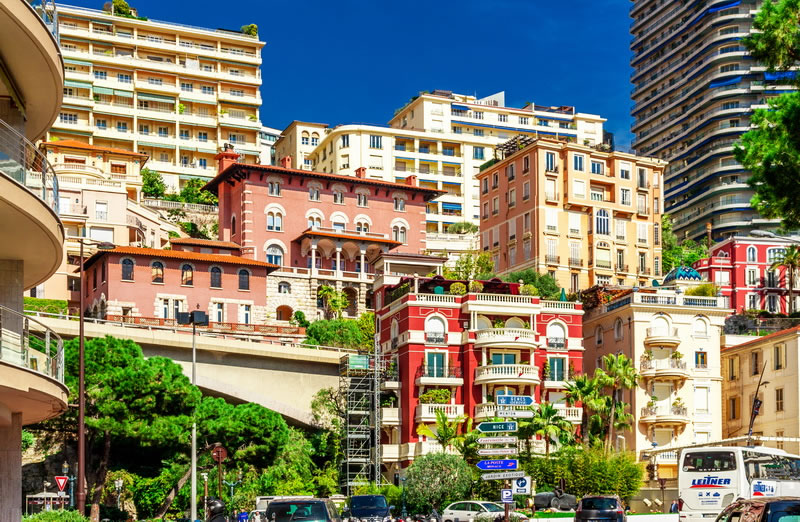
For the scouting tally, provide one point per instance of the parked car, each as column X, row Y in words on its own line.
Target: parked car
column 556, row 500
column 595, row 508
column 303, row 510
column 368, row 508
column 762, row 509
column 476, row 509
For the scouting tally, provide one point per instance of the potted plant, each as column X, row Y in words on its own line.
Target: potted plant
column 546, row 371
column 475, row 287
column 223, row 112
column 181, row 108
column 458, row 289
column 498, row 323
column 676, row 355
column 528, row 290
column 648, row 355
column 652, row 402
column 677, row 403
column 252, row 117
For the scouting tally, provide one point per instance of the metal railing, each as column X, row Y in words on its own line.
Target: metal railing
column 25, row 164
column 26, row 342
column 556, row 342
column 439, row 372
column 178, row 205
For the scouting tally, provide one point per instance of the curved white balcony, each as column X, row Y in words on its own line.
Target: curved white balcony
column 508, row 374
column 664, row 369
column 427, row 412
column 506, row 338
column 662, row 337
column 665, row 415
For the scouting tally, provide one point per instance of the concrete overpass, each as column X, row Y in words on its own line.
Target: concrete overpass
column 281, row 377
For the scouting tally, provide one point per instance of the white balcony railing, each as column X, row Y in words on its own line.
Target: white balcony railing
column 505, row 335
column 522, row 373
column 427, row 412
column 26, row 342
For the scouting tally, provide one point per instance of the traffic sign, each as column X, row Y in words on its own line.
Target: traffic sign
column 497, row 451
column 62, row 493
column 511, row 439
column 506, row 496
column 521, row 486
column 514, row 400
column 522, row 414
column 498, row 465
column 503, row 476
column 219, row 454
column 494, row 427
column 61, row 481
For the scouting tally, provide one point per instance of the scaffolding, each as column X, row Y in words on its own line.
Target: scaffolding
column 360, row 386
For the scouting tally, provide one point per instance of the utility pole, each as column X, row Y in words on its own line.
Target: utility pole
column 506, row 506
column 756, row 405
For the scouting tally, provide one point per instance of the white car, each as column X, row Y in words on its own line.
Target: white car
column 474, row 509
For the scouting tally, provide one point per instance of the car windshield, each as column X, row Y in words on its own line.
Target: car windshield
column 368, row 505
column 494, row 508
column 289, row 511
column 599, row 503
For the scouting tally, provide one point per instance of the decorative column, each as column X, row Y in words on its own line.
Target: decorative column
column 363, row 275
column 313, row 258
column 338, row 261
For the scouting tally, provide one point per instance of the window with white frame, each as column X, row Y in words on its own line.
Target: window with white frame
column 579, row 188
column 551, row 220
column 752, row 277
column 274, row 220
column 435, row 330
column 621, row 226
column 577, row 162
column 574, row 223
column 751, row 254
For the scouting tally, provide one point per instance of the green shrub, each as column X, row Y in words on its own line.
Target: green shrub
column 476, row 287
column 528, row 290
column 48, row 306
column 458, row 289
column 436, row 479
column 250, row 30
column 435, row 396
column 704, row 290
column 56, row 516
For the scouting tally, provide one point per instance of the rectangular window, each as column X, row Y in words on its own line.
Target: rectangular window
column 100, row 75
column 550, row 162
column 625, row 171
column 187, row 87
column 502, row 117
column 526, row 164
column 778, row 354
column 523, row 120
column 579, row 188
column 778, row 399
column 551, row 220
column 625, row 196
column 700, row 360
column 597, row 167
column 577, row 162
column 751, row 279
column 477, row 132
column 733, row 368
column 557, row 369
column 477, row 153
column 755, row 367
column 345, row 141
column 375, row 142
column 435, row 360
column 512, row 198
column 526, row 191
column 526, row 221
column 597, row 194
column 574, row 223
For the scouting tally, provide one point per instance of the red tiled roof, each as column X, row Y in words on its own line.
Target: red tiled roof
column 182, row 255
column 204, row 242
column 763, row 338
column 211, row 186
column 75, row 144
column 357, row 237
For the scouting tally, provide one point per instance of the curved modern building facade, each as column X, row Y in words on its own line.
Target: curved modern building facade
column 32, row 236
column 695, row 87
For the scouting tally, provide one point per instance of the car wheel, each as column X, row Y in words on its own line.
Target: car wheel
column 555, row 504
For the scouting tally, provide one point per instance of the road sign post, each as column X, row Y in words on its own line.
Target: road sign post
column 61, row 481
column 497, row 451
column 522, row 486
column 503, row 475
column 510, row 439
column 497, row 427
column 498, row 465
column 514, row 400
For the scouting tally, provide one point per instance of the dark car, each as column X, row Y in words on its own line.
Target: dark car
column 556, row 500
column 597, row 508
column 368, row 508
column 769, row 509
column 305, row 510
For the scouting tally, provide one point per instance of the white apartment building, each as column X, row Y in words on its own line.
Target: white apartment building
column 298, row 141
column 173, row 92
column 267, row 137
column 443, row 138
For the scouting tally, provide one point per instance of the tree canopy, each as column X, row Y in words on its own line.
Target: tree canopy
column 470, row 266
column 436, row 479
column 546, row 286
column 675, row 253
column 153, row 185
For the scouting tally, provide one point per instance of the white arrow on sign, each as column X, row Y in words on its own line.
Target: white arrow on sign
column 498, row 440
column 524, row 414
column 503, row 475
column 497, row 451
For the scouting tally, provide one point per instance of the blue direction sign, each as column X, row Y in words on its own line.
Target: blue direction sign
column 498, row 465
column 495, row 427
column 514, row 400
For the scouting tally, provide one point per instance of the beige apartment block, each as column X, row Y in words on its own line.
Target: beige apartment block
column 298, row 141
column 674, row 341
column 99, row 198
column 585, row 215
column 173, row 92
column 443, row 138
column 743, row 359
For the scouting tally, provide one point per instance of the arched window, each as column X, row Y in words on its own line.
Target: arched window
column 275, row 255
column 313, row 193
column 362, row 226
column 751, row 254
column 483, row 323
column 338, row 196
column 127, row 269
column 700, row 328
column 399, row 233
column 556, row 335
column 284, row 288
column 314, row 222
column 395, row 330
column 274, row 220
column 244, row 279
column 233, row 225
column 598, row 335
column 601, row 222
column 435, row 330
column 304, row 138
column 187, row 275
column 515, row 322
column 619, row 329
column 157, row 271
column 659, row 326
column 216, row 277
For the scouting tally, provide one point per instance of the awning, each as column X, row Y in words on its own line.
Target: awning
column 451, row 163
column 102, row 90
column 459, row 107
column 155, row 97
column 77, row 62
column 192, row 176
column 78, row 85
column 403, row 138
column 451, row 206
column 427, row 181
column 451, row 183
column 781, row 75
column 226, row 124
column 726, row 6
column 207, row 151
column 124, row 94
column 101, row 22
column 720, row 83
column 402, row 158
column 148, row 144
column 185, row 147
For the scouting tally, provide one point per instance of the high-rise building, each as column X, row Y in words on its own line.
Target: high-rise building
column 267, row 137
column 695, row 87
column 585, row 215
column 173, row 92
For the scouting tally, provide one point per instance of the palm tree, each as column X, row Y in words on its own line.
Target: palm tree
column 446, row 430
column 334, row 300
column 790, row 259
column 619, row 374
column 466, row 444
column 548, row 423
column 585, row 390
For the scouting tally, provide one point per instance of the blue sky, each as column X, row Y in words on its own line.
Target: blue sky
column 345, row 61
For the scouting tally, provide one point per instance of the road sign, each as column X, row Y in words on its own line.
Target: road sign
column 494, row 427
column 61, row 481
column 503, row 476
column 219, row 454
column 506, row 496
column 521, row 486
column 62, row 493
column 498, row 465
column 497, row 451
column 514, row 400
column 522, row 414
column 511, row 439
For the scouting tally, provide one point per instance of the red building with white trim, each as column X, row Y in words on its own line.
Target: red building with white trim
column 477, row 346
column 741, row 267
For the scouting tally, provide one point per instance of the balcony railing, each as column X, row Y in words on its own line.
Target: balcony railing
column 505, row 335
column 575, row 261
column 621, row 268
column 439, row 372
column 662, row 332
column 427, row 412
column 178, row 205
column 662, row 364
column 435, row 338
column 26, row 342
column 25, row 164
column 557, row 342
column 505, row 372
column 551, row 259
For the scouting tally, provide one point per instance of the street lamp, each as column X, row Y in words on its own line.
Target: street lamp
column 404, row 513
column 71, row 479
column 756, row 404
column 101, row 245
column 118, row 486
column 232, row 485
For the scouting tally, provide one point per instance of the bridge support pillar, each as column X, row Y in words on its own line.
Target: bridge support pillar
column 10, row 467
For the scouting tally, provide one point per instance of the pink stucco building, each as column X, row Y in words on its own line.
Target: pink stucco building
column 320, row 228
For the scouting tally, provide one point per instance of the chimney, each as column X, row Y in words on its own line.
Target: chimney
column 361, row 172
column 226, row 158
column 412, row 181
column 286, row 162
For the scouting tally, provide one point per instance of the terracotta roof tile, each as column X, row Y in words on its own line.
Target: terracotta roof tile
column 75, row 144
column 204, row 242
column 762, row 338
column 180, row 254
column 357, row 237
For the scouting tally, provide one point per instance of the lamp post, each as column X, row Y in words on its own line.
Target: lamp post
column 101, row 245
column 404, row 513
column 205, row 494
column 232, row 485
column 756, row 404
column 71, row 479
column 118, row 487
